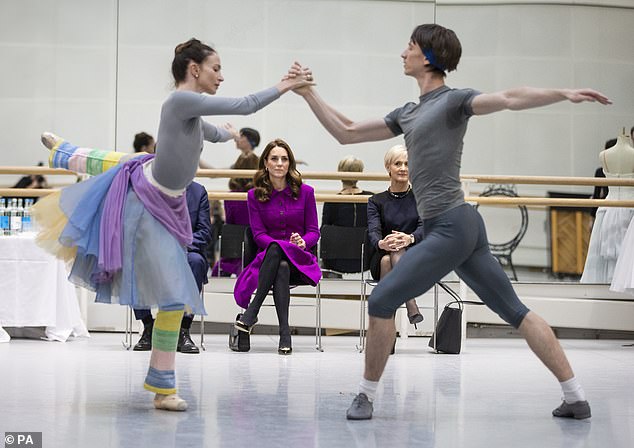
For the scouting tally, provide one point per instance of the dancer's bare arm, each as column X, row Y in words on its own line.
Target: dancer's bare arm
column 529, row 97
column 341, row 127
column 337, row 124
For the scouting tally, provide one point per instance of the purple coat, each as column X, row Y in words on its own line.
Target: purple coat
column 274, row 221
column 237, row 212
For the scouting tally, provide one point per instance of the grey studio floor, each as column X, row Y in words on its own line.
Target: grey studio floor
column 87, row 393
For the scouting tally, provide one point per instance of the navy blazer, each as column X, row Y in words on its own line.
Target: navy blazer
column 198, row 206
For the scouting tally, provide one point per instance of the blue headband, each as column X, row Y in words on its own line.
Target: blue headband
column 429, row 54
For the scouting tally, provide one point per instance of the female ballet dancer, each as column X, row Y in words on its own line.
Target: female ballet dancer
column 125, row 231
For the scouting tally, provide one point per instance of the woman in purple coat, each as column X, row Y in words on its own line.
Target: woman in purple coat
column 283, row 217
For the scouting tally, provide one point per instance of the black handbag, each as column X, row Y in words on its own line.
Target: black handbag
column 239, row 341
column 448, row 334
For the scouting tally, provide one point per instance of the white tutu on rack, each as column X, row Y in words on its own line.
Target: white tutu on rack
column 609, row 231
column 623, row 278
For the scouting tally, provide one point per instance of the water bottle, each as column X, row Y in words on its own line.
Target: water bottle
column 21, row 213
column 26, row 216
column 16, row 219
column 4, row 218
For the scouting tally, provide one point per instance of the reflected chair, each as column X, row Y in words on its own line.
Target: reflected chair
column 251, row 250
column 503, row 252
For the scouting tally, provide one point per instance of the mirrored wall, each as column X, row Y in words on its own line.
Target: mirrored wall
column 97, row 72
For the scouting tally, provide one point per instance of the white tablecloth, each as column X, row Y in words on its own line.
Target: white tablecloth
column 35, row 291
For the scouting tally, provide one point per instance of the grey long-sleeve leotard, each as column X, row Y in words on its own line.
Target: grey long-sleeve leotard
column 181, row 131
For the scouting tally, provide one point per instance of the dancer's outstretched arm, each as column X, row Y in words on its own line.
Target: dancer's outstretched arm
column 341, row 127
column 187, row 104
column 529, row 97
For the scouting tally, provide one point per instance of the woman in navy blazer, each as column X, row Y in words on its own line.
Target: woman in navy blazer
column 393, row 222
column 283, row 217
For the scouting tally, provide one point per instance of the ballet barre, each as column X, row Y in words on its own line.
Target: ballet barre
column 336, row 175
column 466, row 180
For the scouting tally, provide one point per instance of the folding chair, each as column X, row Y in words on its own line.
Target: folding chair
column 251, row 250
column 231, row 244
column 344, row 248
column 127, row 341
column 364, row 294
column 129, row 322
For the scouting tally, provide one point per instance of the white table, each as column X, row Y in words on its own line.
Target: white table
column 35, row 291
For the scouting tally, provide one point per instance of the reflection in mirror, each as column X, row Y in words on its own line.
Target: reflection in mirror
column 512, row 45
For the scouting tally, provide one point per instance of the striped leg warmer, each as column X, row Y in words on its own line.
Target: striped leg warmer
column 84, row 160
column 161, row 378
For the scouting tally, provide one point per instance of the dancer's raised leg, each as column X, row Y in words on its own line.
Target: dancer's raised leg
column 81, row 160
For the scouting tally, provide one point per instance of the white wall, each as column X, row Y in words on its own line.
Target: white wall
column 97, row 71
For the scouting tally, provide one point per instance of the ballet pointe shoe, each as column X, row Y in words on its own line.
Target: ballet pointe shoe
column 170, row 402
column 50, row 140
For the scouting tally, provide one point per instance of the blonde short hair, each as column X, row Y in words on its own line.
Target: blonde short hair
column 351, row 164
column 393, row 153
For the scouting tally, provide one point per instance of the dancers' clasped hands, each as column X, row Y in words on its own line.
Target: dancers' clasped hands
column 298, row 73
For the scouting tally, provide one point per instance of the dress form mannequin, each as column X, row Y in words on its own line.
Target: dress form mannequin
column 619, row 159
column 611, row 223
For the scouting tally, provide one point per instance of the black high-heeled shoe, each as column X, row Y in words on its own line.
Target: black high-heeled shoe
column 244, row 327
column 284, row 347
column 415, row 319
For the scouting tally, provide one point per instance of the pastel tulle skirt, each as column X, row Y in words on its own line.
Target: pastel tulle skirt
column 606, row 243
column 155, row 272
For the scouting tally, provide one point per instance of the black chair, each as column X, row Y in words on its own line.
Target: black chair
column 342, row 250
column 503, row 252
column 231, row 244
column 250, row 252
column 367, row 284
